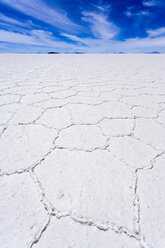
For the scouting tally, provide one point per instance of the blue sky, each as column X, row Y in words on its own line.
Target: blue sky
column 88, row 26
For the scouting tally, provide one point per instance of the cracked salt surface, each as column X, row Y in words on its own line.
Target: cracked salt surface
column 82, row 151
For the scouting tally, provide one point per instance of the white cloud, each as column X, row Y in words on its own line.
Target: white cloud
column 156, row 32
column 144, row 44
column 99, row 25
column 132, row 12
column 128, row 13
column 136, row 45
column 143, row 13
column 41, row 11
column 131, row 45
column 75, row 38
column 16, row 25
column 3, row 45
column 44, row 41
column 103, row 30
column 102, row 6
column 149, row 3
column 13, row 21
column 38, row 38
column 13, row 37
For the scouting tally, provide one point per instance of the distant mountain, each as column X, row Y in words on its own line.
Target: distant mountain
column 53, row 53
column 78, row 52
column 119, row 52
column 153, row 52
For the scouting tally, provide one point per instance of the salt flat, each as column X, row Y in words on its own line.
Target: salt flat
column 82, row 151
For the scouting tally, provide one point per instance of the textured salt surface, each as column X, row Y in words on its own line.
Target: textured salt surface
column 82, row 151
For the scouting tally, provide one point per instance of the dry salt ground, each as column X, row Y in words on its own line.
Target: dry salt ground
column 82, row 151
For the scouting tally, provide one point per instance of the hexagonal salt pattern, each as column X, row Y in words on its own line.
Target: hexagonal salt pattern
column 152, row 205
column 76, row 183
column 21, row 212
column 22, row 146
column 68, row 233
column 82, row 144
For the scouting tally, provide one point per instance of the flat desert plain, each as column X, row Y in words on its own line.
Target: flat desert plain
column 82, row 151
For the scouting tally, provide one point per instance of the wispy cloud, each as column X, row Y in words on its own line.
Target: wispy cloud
column 41, row 11
column 149, row 3
column 128, row 12
column 10, row 20
column 135, row 45
column 45, row 40
column 75, row 38
column 156, row 32
column 153, row 42
column 15, row 25
column 15, row 37
column 99, row 24
column 144, row 44
column 39, row 38
column 152, row 3
column 101, row 33
column 132, row 12
column 102, row 6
